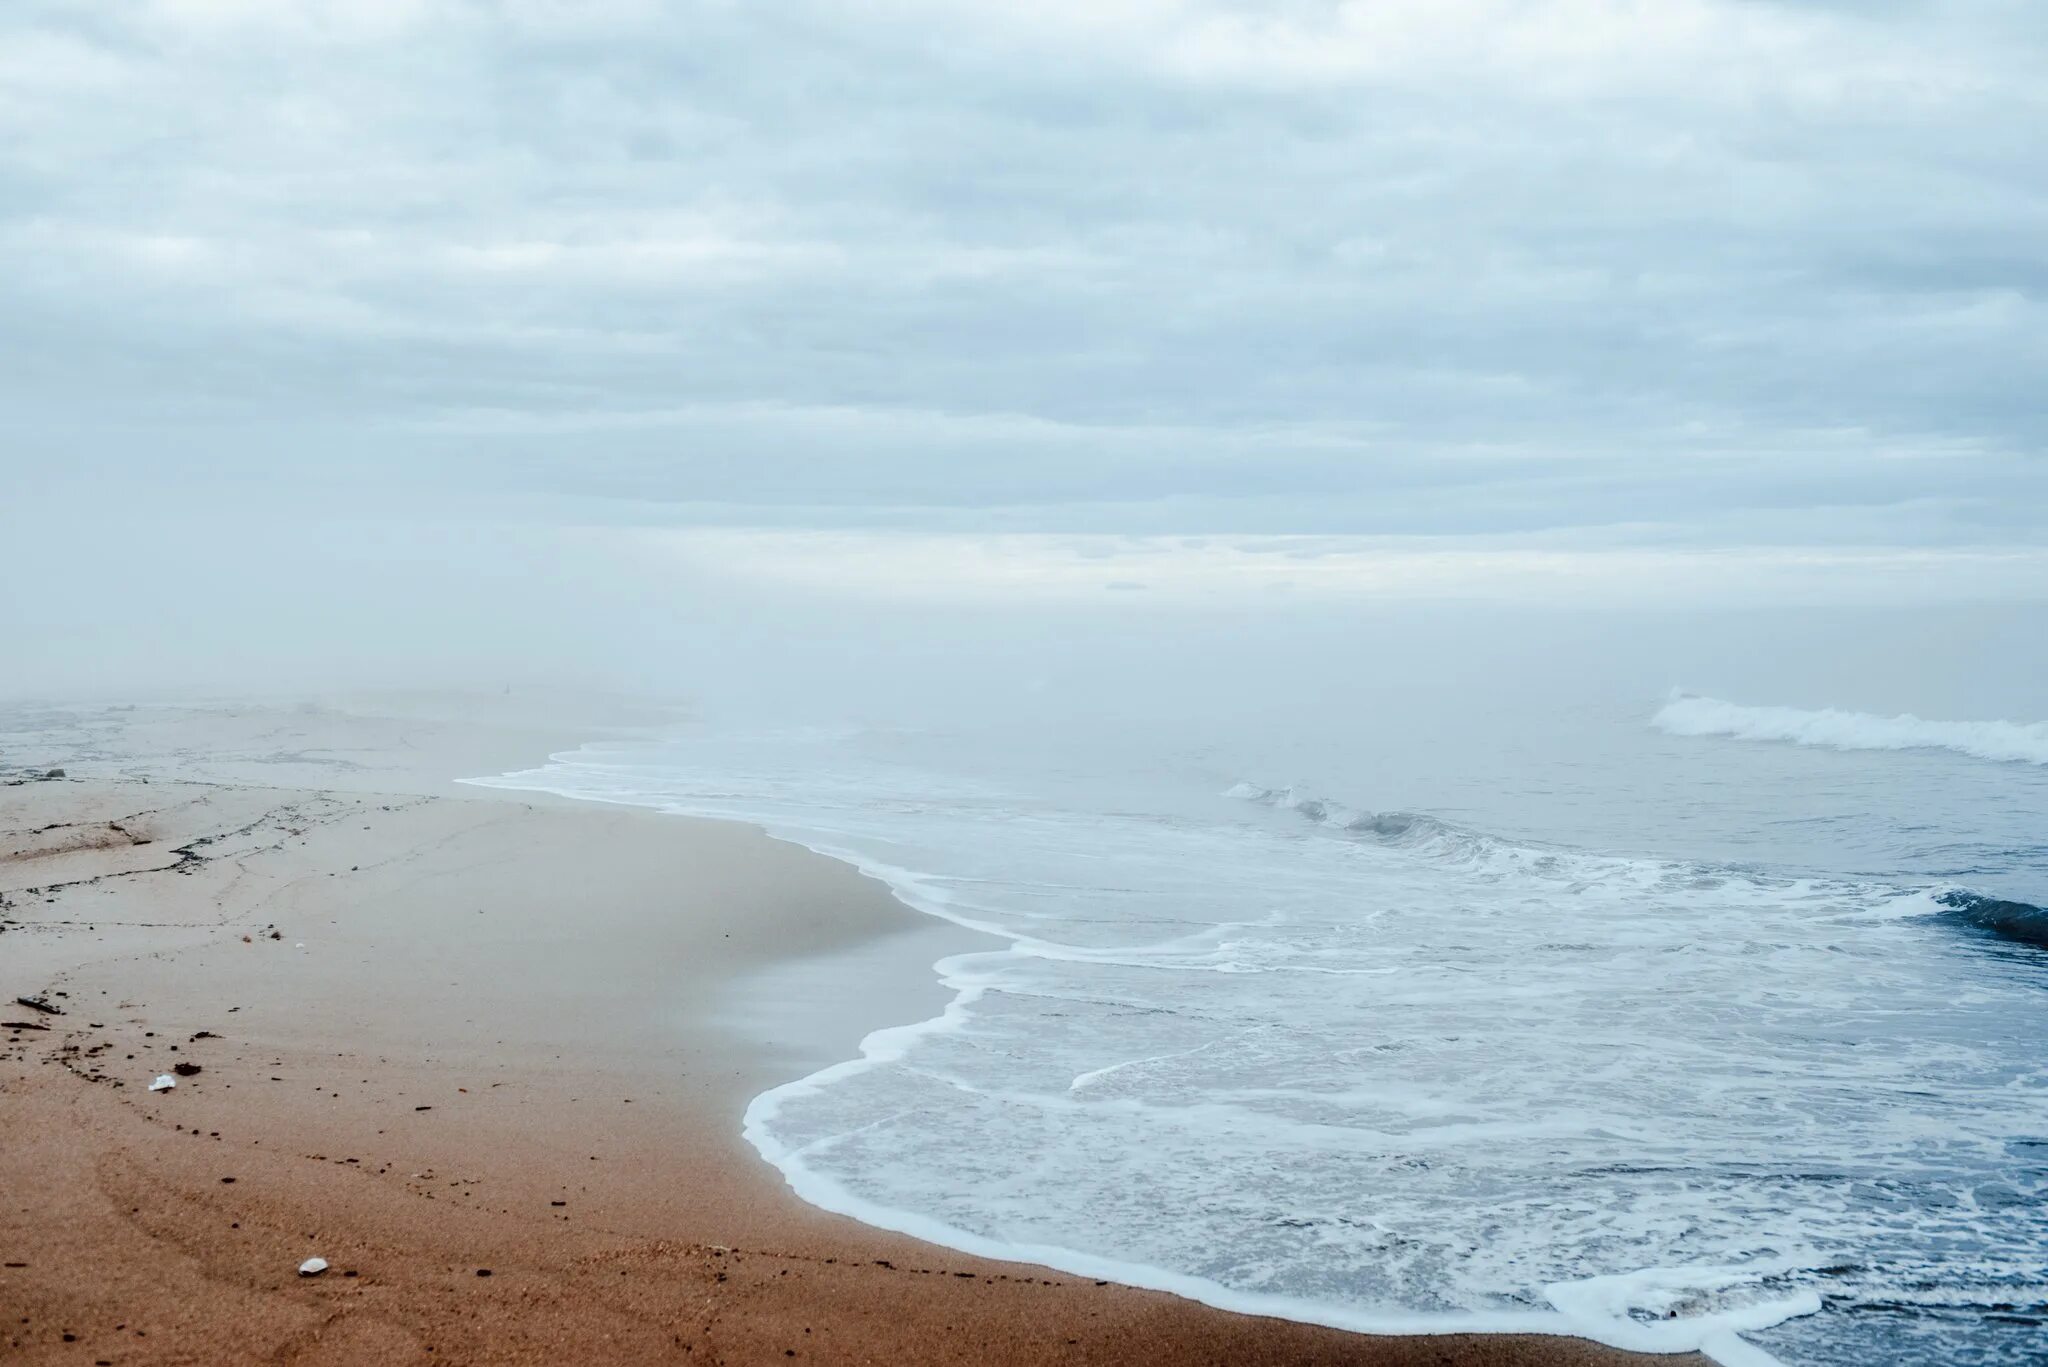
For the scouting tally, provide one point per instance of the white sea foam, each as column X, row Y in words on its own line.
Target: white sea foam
column 2002, row 741
column 1383, row 1072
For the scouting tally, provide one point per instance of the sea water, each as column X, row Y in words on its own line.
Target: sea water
column 1672, row 1022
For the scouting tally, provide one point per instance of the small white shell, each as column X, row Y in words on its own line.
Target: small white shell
column 312, row 1267
column 164, row 1082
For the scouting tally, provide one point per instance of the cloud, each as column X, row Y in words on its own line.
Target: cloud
column 1705, row 272
column 1210, row 575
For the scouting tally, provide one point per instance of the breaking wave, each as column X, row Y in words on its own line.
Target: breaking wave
column 1972, row 912
column 1394, row 828
column 2000, row 741
column 2019, row 921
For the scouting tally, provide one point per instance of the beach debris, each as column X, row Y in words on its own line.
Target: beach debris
column 54, row 773
column 41, row 1004
column 23, row 1025
column 483, row 1272
column 185, row 1069
column 164, row 1082
column 312, row 1267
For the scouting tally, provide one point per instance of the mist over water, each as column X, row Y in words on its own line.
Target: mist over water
column 1404, row 972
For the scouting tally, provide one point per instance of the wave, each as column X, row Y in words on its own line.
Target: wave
column 2000, row 741
column 1407, row 830
column 1488, row 856
column 2020, row 921
column 1393, row 827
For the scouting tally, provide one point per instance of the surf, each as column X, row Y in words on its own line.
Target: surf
column 2002, row 742
column 1383, row 1068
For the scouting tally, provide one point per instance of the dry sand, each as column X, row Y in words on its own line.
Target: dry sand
column 485, row 1056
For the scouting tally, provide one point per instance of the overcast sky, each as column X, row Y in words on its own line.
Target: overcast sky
column 1572, row 275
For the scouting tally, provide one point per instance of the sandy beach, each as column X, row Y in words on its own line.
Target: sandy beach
column 483, row 1054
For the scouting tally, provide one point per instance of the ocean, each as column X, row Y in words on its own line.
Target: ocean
column 1670, row 1021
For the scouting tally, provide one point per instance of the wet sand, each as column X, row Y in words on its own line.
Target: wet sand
column 486, row 1056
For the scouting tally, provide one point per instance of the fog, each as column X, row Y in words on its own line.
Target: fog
column 1202, row 357
column 171, row 592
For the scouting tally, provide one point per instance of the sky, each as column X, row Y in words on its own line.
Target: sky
column 1561, row 300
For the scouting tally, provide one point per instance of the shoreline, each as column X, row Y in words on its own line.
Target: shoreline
column 442, row 1062
column 827, row 1195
